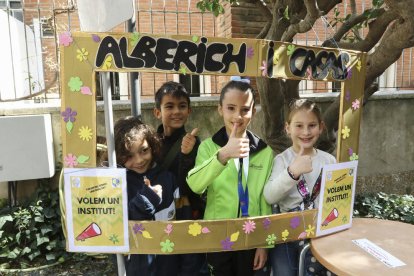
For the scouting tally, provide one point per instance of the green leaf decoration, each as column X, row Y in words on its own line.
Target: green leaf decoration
column 290, row 50
column 194, row 38
column 135, row 38
column 82, row 159
column 286, row 13
column 183, row 70
column 69, row 126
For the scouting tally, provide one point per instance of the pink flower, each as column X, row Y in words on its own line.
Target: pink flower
column 71, row 160
column 65, row 38
column 264, row 68
column 355, row 104
column 250, row 52
column 249, row 226
column 168, row 229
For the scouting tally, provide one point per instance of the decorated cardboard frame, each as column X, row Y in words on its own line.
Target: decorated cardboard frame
column 85, row 54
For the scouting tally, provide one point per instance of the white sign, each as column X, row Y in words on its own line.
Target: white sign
column 379, row 253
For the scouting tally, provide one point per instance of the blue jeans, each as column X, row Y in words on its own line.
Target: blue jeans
column 284, row 259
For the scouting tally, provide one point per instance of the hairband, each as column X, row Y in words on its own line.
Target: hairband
column 242, row 79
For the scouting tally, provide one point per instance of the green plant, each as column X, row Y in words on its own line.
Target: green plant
column 31, row 235
column 385, row 206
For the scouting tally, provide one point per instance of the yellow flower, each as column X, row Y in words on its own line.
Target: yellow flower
column 345, row 132
column 85, row 133
column 276, row 58
column 359, row 65
column 194, row 229
column 310, row 231
column 82, row 54
column 107, row 63
column 285, row 234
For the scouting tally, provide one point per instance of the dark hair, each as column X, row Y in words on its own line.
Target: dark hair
column 175, row 89
column 240, row 85
column 304, row 104
column 130, row 129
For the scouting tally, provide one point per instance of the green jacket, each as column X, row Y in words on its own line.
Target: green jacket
column 221, row 181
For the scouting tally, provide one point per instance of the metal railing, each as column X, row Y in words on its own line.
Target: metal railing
column 30, row 60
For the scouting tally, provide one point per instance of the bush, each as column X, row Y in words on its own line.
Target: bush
column 384, row 206
column 31, row 234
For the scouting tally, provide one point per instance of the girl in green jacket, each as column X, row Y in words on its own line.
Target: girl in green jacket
column 233, row 167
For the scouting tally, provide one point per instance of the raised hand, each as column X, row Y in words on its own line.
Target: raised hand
column 301, row 164
column 157, row 188
column 189, row 141
column 235, row 147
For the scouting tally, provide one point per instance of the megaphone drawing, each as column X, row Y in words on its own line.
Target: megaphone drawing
column 91, row 231
column 332, row 215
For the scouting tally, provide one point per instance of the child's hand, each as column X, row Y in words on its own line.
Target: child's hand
column 235, row 147
column 260, row 258
column 189, row 141
column 157, row 188
column 301, row 164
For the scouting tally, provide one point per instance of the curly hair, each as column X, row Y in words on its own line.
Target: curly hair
column 129, row 130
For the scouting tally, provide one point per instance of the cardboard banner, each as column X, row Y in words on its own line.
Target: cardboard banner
column 157, row 237
column 336, row 198
column 96, row 210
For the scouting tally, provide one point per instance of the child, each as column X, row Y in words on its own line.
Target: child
column 295, row 179
column 137, row 148
column 172, row 107
column 232, row 155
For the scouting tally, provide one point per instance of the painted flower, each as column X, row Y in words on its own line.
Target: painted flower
column 85, row 90
column 82, row 54
column 359, row 65
column 345, row 132
column 266, row 223
column 205, row 230
column 194, row 229
column 182, row 70
column 285, row 234
column 271, row 239
column 227, row 244
column 310, row 230
column 347, row 95
column 70, row 160
column 264, row 68
column 353, row 157
column 355, row 104
column 85, row 133
column 295, row 222
column 168, row 229
column 114, row 238
column 250, row 52
column 75, row 84
column 167, row 246
column 65, row 38
column 69, row 115
column 107, row 63
column 291, row 49
column 195, row 38
column 350, row 151
column 349, row 73
column 249, row 226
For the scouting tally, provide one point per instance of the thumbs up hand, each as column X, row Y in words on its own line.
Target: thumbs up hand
column 235, row 147
column 301, row 164
column 189, row 141
column 157, row 188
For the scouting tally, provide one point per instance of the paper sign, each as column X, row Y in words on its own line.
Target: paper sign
column 336, row 199
column 379, row 253
column 96, row 210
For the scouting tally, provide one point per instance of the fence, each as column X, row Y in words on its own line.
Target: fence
column 30, row 69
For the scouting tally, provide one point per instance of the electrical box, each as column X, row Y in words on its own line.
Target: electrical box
column 26, row 147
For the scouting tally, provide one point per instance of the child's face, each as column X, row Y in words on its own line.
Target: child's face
column 173, row 113
column 237, row 109
column 140, row 158
column 304, row 130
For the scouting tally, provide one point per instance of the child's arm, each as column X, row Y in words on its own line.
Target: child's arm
column 186, row 163
column 279, row 183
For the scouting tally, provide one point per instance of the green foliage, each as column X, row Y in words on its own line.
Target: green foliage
column 31, row 234
column 384, row 206
column 213, row 6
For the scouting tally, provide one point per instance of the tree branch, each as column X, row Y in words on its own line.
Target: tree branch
column 313, row 13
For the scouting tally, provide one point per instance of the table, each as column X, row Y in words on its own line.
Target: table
column 339, row 254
